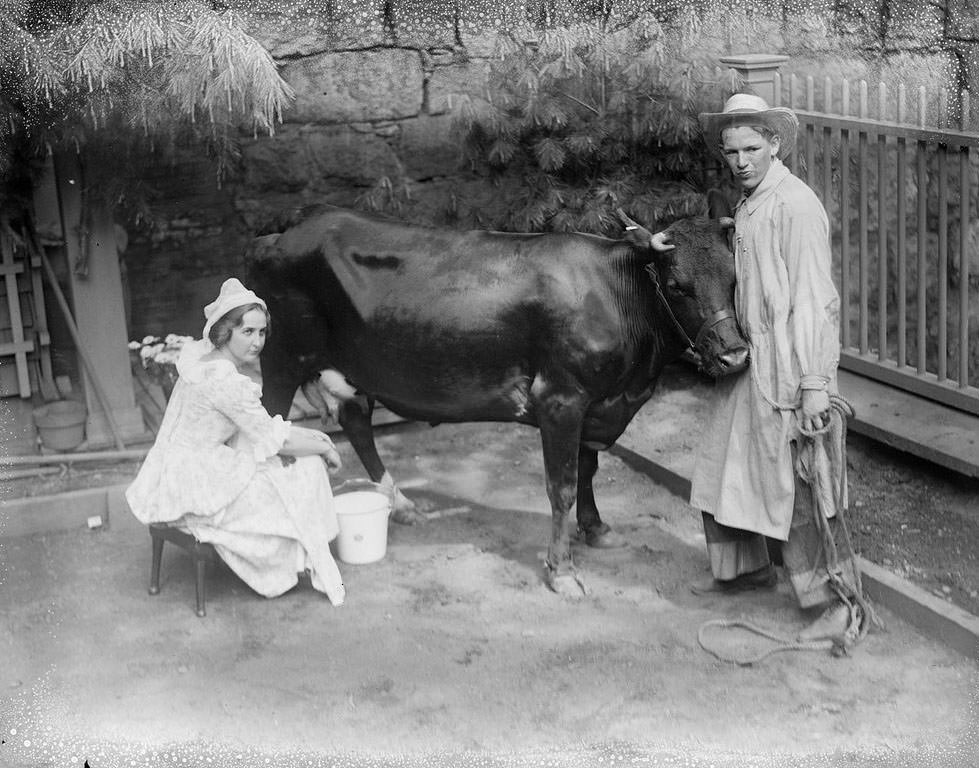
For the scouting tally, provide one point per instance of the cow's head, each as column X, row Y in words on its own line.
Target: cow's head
column 692, row 268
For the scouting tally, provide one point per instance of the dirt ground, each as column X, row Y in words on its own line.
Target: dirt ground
column 913, row 518
column 451, row 651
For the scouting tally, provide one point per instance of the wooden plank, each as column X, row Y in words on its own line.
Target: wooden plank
column 810, row 135
column 16, row 321
column 922, row 239
column 16, row 347
column 873, row 127
column 902, row 236
column 882, row 352
column 942, row 263
column 863, row 196
column 965, row 179
column 827, row 147
column 41, row 333
column 926, row 385
column 935, row 432
column 845, row 218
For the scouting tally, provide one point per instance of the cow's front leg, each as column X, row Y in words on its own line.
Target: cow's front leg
column 560, row 414
column 595, row 532
column 355, row 418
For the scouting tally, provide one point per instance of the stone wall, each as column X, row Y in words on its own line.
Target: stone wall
column 367, row 119
column 376, row 82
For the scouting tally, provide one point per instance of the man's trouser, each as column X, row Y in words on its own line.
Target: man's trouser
column 734, row 552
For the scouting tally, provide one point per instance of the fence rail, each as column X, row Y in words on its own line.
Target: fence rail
column 901, row 193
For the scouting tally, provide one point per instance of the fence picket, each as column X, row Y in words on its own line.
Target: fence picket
column 827, row 148
column 902, row 229
column 864, row 193
column 810, row 134
column 964, row 218
column 881, row 227
column 922, row 238
column 845, row 217
column 942, row 341
column 934, row 150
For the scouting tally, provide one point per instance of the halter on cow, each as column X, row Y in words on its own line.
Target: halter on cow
column 565, row 332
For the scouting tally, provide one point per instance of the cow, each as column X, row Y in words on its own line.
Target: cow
column 567, row 332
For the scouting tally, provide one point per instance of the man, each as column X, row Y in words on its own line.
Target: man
column 745, row 479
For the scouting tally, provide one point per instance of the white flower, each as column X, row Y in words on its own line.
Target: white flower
column 148, row 340
column 134, row 345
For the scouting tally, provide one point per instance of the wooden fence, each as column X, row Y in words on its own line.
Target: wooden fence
column 899, row 182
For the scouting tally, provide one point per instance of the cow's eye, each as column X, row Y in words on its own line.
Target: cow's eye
column 675, row 287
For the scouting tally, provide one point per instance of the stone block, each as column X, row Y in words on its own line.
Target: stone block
column 341, row 152
column 429, row 147
column 447, row 84
column 276, row 163
column 355, row 86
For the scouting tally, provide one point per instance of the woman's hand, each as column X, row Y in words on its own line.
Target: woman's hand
column 332, row 459
column 329, row 451
column 312, row 442
column 813, row 414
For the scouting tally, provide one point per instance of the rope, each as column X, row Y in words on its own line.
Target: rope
column 861, row 615
column 784, row 643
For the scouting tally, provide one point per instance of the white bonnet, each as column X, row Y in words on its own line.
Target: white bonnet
column 233, row 294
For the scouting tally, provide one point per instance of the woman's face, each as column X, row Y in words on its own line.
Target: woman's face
column 749, row 155
column 247, row 339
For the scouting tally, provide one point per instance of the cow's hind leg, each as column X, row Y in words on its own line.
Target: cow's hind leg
column 592, row 529
column 560, row 416
column 355, row 418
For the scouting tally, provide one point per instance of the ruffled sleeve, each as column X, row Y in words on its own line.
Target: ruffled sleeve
column 239, row 399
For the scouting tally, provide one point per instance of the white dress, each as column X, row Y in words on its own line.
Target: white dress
column 215, row 473
column 788, row 306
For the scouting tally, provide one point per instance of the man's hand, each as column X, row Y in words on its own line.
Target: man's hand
column 661, row 242
column 814, row 412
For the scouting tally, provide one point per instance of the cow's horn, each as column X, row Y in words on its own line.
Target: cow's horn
column 726, row 222
column 625, row 219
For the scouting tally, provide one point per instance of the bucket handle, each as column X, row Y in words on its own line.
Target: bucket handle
column 358, row 483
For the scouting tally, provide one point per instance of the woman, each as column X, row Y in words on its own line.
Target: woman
column 217, row 469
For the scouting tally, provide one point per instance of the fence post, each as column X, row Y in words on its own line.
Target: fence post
column 758, row 71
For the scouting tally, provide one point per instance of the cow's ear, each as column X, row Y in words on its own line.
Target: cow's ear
column 718, row 206
column 635, row 234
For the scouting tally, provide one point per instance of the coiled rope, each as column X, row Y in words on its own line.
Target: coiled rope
column 861, row 615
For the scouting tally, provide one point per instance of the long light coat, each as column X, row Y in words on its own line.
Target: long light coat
column 788, row 308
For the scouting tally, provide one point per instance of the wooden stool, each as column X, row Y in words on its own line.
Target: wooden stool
column 199, row 552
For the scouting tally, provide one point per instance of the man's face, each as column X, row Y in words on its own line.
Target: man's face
column 748, row 154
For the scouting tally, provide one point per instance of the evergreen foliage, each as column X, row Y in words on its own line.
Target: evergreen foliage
column 588, row 119
column 129, row 71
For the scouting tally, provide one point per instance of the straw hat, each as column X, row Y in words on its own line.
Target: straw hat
column 749, row 109
column 233, row 294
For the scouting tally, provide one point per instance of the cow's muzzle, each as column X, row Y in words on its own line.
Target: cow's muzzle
column 721, row 345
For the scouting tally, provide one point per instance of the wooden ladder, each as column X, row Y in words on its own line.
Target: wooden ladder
column 34, row 337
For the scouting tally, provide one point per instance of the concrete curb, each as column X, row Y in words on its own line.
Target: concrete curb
column 62, row 512
column 947, row 623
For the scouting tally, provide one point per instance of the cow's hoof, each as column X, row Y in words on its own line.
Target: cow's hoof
column 566, row 583
column 603, row 537
column 406, row 515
